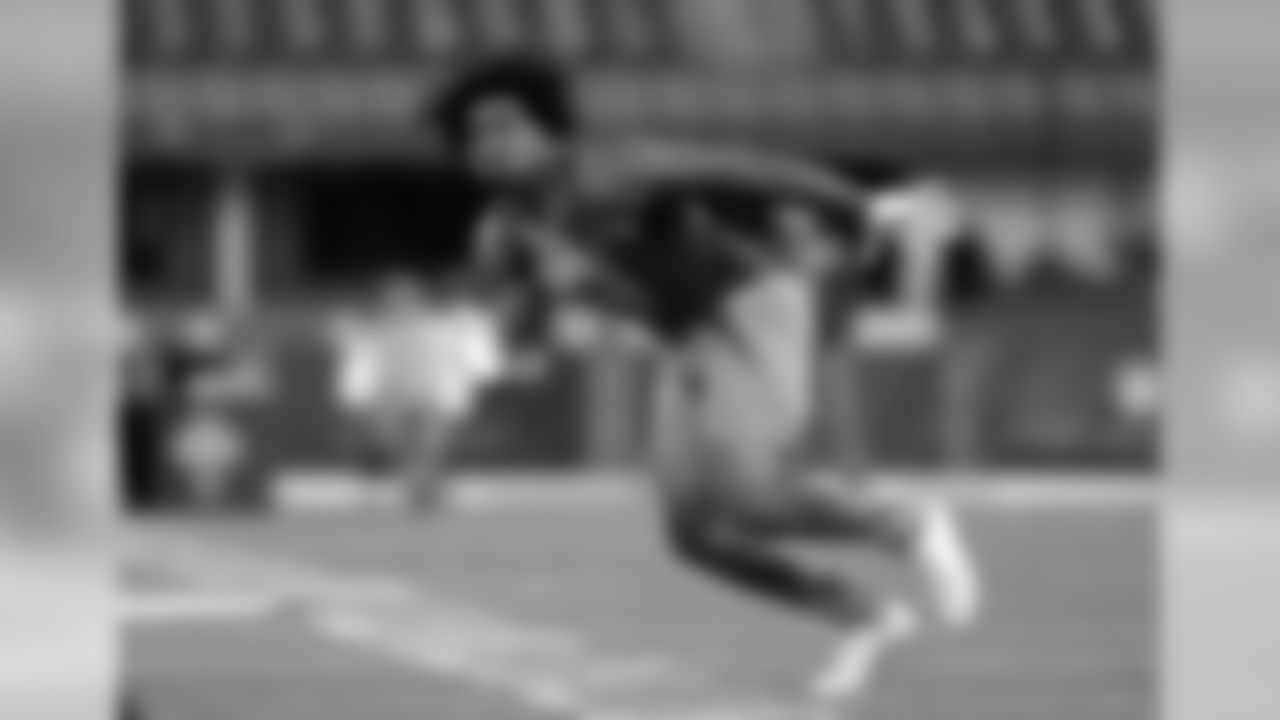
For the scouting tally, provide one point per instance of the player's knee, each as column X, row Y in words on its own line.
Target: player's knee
column 894, row 524
column 702, row 539
column 692, row 538
column 834, row 505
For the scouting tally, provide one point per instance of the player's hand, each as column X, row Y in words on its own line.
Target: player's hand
column 560, row 266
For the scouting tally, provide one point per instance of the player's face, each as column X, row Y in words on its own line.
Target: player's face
column 507, row 143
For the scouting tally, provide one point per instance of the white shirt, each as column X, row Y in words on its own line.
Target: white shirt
column 440, row 357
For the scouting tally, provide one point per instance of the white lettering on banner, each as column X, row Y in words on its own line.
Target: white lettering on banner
column 1137, row 390
column 1250, row 399
column 546, row 668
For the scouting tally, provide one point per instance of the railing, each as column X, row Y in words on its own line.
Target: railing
column 364, row 32
column 1072, row 32
column 358, row 32
column 1019, row 116
column 999, row 82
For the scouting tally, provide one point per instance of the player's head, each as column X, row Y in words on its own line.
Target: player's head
column 507, row 118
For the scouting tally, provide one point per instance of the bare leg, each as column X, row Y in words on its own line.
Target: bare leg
column 426, row 464
column 924, row 536
column 749, row 409
column 871, row 622
column 752, row 563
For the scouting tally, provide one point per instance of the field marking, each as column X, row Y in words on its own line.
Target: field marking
column 484, row 493
column 547, row 669
column 494, row 492
column 180, row 607
column 154, row 595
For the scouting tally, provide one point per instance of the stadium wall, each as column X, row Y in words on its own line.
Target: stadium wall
column 246, row 110
column 1033, row 385
column 1033, row 381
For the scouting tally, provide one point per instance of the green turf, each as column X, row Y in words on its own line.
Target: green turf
column 1069, row 635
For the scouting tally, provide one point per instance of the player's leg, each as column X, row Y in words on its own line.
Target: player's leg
column 396, row 440
column 733, row 419
column 924, row 535
column 379, row 431
column 739, row 554
column 764, row 402
column 693, row 486
column 709, row 528
column 435, row 432
column 403, row 448
column 776, row 322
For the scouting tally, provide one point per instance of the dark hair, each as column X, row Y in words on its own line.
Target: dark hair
column 538, row 84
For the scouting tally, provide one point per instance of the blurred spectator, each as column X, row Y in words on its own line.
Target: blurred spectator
column 182, row 438
column 411, row 371
column 932, row 252
column 1049, row 277
column 141, row 431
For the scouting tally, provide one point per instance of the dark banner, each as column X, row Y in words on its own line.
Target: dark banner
column 1052, row 384
column 1062, row 384
column 1039, row 384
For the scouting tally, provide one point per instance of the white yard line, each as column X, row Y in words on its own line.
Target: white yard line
column 167, row 607
column 1010, row 492
column 547, row 669
column 489, row 492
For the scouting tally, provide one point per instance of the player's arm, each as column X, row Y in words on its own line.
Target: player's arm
column 499, row 265
column 515, row 258
column 771, row 173
column 584, row 296
column 548, row 287
column 495, row 251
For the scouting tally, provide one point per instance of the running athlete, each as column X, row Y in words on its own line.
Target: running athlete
column 415, row 373
column 722, row 255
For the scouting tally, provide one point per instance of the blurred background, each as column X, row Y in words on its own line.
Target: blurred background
column 272, row 165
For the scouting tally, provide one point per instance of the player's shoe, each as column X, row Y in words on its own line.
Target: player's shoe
column 950, row 574
column 847, row 675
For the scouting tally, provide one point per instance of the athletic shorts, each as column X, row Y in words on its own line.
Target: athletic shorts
column 736, row 401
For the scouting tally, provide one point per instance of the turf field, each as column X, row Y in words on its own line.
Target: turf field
column 569, row 607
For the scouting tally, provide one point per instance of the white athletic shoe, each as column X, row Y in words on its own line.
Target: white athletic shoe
column 847, row 675
column 950, row 574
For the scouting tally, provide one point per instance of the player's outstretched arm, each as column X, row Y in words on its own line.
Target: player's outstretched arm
column 512, row 255
column 768, row 172
column 539, row 284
